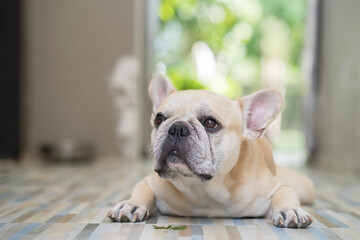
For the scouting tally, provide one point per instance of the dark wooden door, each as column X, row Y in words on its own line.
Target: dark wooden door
column 9, row 79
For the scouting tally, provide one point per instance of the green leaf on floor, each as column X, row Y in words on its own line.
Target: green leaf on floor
column 183, row 227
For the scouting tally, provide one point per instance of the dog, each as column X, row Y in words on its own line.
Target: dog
column 211, row 160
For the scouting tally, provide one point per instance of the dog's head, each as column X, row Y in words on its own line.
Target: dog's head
column 198, row 133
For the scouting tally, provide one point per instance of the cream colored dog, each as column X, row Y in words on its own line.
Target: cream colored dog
column 212, row 161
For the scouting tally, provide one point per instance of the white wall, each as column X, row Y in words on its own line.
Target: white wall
column 338, row 109
column 70, row 48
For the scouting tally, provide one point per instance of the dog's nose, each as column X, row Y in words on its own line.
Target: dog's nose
column 179, row 130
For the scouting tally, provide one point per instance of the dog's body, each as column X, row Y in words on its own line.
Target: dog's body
column 211, row 160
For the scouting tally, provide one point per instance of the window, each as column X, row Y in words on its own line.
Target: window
column 235, row 47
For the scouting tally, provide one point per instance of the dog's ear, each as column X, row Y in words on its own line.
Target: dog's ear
column 259, row 110
column 159, row 88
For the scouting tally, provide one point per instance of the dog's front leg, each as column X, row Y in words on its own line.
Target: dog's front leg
column 286, row 210
column 137, row 208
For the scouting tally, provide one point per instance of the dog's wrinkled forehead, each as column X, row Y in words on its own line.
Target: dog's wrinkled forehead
column 200, row 103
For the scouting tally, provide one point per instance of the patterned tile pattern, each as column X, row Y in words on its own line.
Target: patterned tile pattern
column 70, row 202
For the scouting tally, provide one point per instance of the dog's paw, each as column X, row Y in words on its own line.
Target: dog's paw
column 295, row 217
column 126, row 211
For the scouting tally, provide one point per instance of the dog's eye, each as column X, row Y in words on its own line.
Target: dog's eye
column 158, row 119
column 210, row 123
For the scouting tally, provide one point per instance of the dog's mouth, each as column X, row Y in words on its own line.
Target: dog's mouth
column 176, row 162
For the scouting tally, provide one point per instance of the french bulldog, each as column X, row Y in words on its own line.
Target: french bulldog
column 211, row 160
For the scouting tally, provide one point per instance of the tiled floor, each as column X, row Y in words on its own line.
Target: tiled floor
column 62, row 202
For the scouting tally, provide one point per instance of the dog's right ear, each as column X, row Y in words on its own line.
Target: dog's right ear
column 159, row 88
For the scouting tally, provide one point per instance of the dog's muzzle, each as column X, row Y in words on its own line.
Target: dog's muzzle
column 176, row 149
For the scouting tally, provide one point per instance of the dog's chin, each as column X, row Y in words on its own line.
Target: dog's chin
column 177, row 164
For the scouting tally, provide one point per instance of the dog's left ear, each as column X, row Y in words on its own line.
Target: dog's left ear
column 259, row 110
column 159, row 88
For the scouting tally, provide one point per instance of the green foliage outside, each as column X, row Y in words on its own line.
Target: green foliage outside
column 255, row 44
